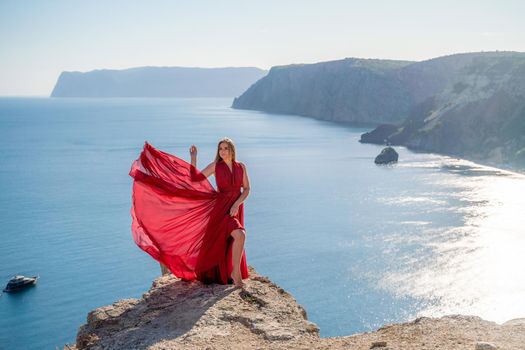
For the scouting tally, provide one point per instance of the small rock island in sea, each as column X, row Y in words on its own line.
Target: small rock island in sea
column 387, row 156
column 175, row 314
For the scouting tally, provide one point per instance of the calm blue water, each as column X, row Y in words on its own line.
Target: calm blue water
column 358, row 245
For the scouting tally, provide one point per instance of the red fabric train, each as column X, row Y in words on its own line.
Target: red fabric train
column 181, row 220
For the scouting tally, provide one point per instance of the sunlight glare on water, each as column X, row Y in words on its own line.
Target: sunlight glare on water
column 475, row 268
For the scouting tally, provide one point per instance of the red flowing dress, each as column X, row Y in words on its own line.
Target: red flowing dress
column 181, row 220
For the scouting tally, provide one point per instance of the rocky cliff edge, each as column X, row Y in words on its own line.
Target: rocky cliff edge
column 175, row 314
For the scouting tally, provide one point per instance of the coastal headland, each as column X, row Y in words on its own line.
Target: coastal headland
column 175, row 314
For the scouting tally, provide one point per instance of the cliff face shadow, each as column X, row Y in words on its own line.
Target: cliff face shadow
column 169, row 310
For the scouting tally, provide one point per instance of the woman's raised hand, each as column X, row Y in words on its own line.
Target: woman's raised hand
column 193, row 151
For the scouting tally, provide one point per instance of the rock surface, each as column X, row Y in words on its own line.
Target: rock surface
column 175, row 314
column 387, row 155
column 380, row 134
column 485, row 346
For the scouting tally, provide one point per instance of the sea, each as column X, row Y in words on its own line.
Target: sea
column 357, row 244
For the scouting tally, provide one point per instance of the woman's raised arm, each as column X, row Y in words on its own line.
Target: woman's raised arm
column 209, row 170
column 193, row 154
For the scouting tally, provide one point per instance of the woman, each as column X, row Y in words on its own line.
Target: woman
column 183, row 222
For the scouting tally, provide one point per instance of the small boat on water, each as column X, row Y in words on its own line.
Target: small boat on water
column 20, row 282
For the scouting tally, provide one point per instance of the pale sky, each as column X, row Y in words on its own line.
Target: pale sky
column 40, row 39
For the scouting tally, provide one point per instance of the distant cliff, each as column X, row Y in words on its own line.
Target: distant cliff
column 157, row 82
column 353, row 90
column 471, row 105
column 175, row 314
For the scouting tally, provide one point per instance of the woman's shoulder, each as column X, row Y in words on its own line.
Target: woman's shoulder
column 242, row 165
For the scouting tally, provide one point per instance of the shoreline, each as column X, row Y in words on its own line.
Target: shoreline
column 372, row 126
column 480, row 162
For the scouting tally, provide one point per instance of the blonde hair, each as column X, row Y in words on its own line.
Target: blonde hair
column 231, row 146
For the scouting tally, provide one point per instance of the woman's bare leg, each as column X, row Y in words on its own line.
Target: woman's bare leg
column 237, row 248
column 164, row 269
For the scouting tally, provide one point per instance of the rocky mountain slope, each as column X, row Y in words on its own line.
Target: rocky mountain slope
column 353, row 90
column 480, row 114
column 470, row 105
column 189, row 315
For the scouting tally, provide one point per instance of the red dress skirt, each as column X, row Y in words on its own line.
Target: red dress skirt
column 181, row 220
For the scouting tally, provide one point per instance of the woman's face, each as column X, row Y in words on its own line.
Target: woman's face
column 224, row 151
